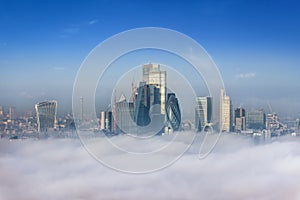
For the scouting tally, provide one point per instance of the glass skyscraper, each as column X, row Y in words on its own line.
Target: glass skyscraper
column 153, row 75
column 173, row 113
column 203, row 112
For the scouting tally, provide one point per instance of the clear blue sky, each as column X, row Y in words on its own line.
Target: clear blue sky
column 255, row 44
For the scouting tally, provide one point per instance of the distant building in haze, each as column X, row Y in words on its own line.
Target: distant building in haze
column 106, row 121
column 272, row 121
column 46, row 115
column 12, row 113
column 225, row 112
column 1, row 113
column 256, row 119
column 203, row 112
column 124, row 116
column 239, row 119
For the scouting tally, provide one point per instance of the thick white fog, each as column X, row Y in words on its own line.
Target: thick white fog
column 236, row 169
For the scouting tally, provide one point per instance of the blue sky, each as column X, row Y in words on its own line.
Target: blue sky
column 255, row 45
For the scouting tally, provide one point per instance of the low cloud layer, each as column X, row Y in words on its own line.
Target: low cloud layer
column 236, row 169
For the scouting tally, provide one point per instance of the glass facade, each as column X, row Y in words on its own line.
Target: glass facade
column 173, row 112
column 203, row 112
column 256, row 120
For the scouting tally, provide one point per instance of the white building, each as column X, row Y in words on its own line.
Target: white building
column 225, row 112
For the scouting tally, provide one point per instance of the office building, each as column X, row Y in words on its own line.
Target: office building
column 106, row 121
column 124, row 116
column 173, row 113
column 148, row 95
column 272, row 121
column 46, row 115
column 1, row 113
column 239, row 119
column 153, row 75
column 256, row 119
column 225, row 112
column 203, row 112
column 12, row 113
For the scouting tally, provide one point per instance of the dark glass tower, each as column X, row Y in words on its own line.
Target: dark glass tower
column 173, row 112
column 147, row 96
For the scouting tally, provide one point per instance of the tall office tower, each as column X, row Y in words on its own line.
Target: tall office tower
column 12, row 113
column 203, row 112
column 1, row 113
column 46, row 115
column 239, row 119
column 148, row 95
column 225, row 112
column 256, row 119
column 106, row 121
column 173, row 113
column 152, row 74
column 124, row 116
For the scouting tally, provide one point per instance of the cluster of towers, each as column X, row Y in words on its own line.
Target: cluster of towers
column 150, row 104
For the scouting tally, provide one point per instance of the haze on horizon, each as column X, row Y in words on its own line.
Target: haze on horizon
column 255, row 45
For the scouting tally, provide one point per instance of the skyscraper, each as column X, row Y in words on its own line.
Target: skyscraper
column 152, row 74
column 1, row 113
column 203, row 112
column 148, row 95
column 106, row 121
column 124, row 116
column 173, row 113
column 225, row 112
column 239, row 119
column 12, row 113
column 46, row 115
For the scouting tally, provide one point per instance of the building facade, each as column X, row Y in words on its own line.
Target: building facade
column 46, row 115
column 106, row 121
column 256, row 119
column 239, row 119
column 225, row 112
column 153, row 75
column 203, row 112
column 173, row 114
column 124, row 116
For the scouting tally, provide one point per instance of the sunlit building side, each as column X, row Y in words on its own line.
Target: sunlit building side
column 153, row 75
column 203, row 112
column 225, row 112
column 106, row 121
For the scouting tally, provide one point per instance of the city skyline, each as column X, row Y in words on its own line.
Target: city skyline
column 254, row 48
